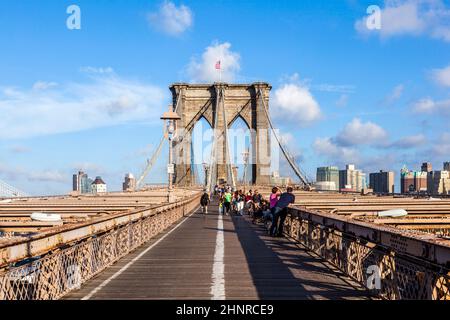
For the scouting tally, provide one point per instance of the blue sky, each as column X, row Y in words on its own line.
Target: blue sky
column 91, row 98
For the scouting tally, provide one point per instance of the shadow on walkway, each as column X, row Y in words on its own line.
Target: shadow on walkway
column 282, row 270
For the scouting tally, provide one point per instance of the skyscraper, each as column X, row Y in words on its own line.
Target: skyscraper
column 328, row 176
column 81, row 183
column 382, row 182
column 352, row 179
column 426, row 167
column 439, row 182
column 446, row 166
column 413, row 181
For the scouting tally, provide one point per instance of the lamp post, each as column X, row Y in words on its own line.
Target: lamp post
column 170, row 126
column 245, row 156
column 206, row 169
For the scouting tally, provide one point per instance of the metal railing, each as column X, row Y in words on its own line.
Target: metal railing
column 66, row 268
column 391, row 264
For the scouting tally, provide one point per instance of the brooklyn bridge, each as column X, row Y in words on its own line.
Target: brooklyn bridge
column 155, row 243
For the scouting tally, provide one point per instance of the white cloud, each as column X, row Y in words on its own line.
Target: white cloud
column 43, row 85
column 342, row 101
column 97, row 70
column 294, row 102
column 337, row 154
column 395, row 94
column 442, row 76
column 429, row 106
column 409, row 142
column 442, row 147
column 413, row 17
column 205, row 69
column 360, row 133
column 171, row 19
column 104, row 100
column 15, row 173
column 48, row 176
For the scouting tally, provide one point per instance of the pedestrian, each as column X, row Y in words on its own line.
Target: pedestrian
column 235, row 201
column 280, row 212
column 240, row 202
column 227, row 201
column 249, row 201
column 274, row 196
column 204, row 201
column 220, row 204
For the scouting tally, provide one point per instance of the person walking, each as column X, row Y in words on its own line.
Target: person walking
column 227, row 201
column 240, row 202
column 280, row 212
column 204, row 201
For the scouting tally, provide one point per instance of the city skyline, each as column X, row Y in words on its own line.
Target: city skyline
column 90, row 99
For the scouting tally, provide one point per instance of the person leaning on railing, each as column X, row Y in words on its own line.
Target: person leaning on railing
column 280, row 212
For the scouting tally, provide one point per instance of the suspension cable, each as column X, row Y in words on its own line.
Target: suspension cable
column 154, row 157
column 286, row 154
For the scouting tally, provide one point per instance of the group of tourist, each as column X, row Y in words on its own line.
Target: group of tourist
column 272, row 212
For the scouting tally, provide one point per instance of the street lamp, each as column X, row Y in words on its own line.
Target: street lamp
column 206, row 169
column 170, row 127
column 245, row 156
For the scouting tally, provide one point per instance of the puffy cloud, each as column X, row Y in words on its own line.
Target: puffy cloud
column 414, row 17
column 294, row 102
column 409, row 142
column 205, row 69
column 442, row 76
column 361, row 133
column 428, row 105
column 442, row 147
column 171, row 19
column 104, row 100
column 338, row 154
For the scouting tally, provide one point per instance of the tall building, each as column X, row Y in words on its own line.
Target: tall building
column 352, row 179
column 327, row 178
column 413, row 181
column 98, row 186
column 81, row 183
column 382, row 182
column 426, row 167
column 129, row 183
column 439, row 182
column 446, row 166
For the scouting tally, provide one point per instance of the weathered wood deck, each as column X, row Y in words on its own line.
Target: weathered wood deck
column 189, row 262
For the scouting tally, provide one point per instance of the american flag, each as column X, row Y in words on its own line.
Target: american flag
column 218, row 65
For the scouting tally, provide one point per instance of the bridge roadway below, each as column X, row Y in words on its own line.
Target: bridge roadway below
column 220, row 257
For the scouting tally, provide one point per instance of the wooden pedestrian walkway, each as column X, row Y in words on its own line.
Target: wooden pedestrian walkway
column 220, row 257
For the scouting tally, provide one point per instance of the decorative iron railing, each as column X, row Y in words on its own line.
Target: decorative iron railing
column 392, row 264
column 67, row 267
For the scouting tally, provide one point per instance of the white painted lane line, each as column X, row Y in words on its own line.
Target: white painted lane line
column 218, row 275
column 125, row 267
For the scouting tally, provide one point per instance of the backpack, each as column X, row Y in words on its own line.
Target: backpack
column 204, row 199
